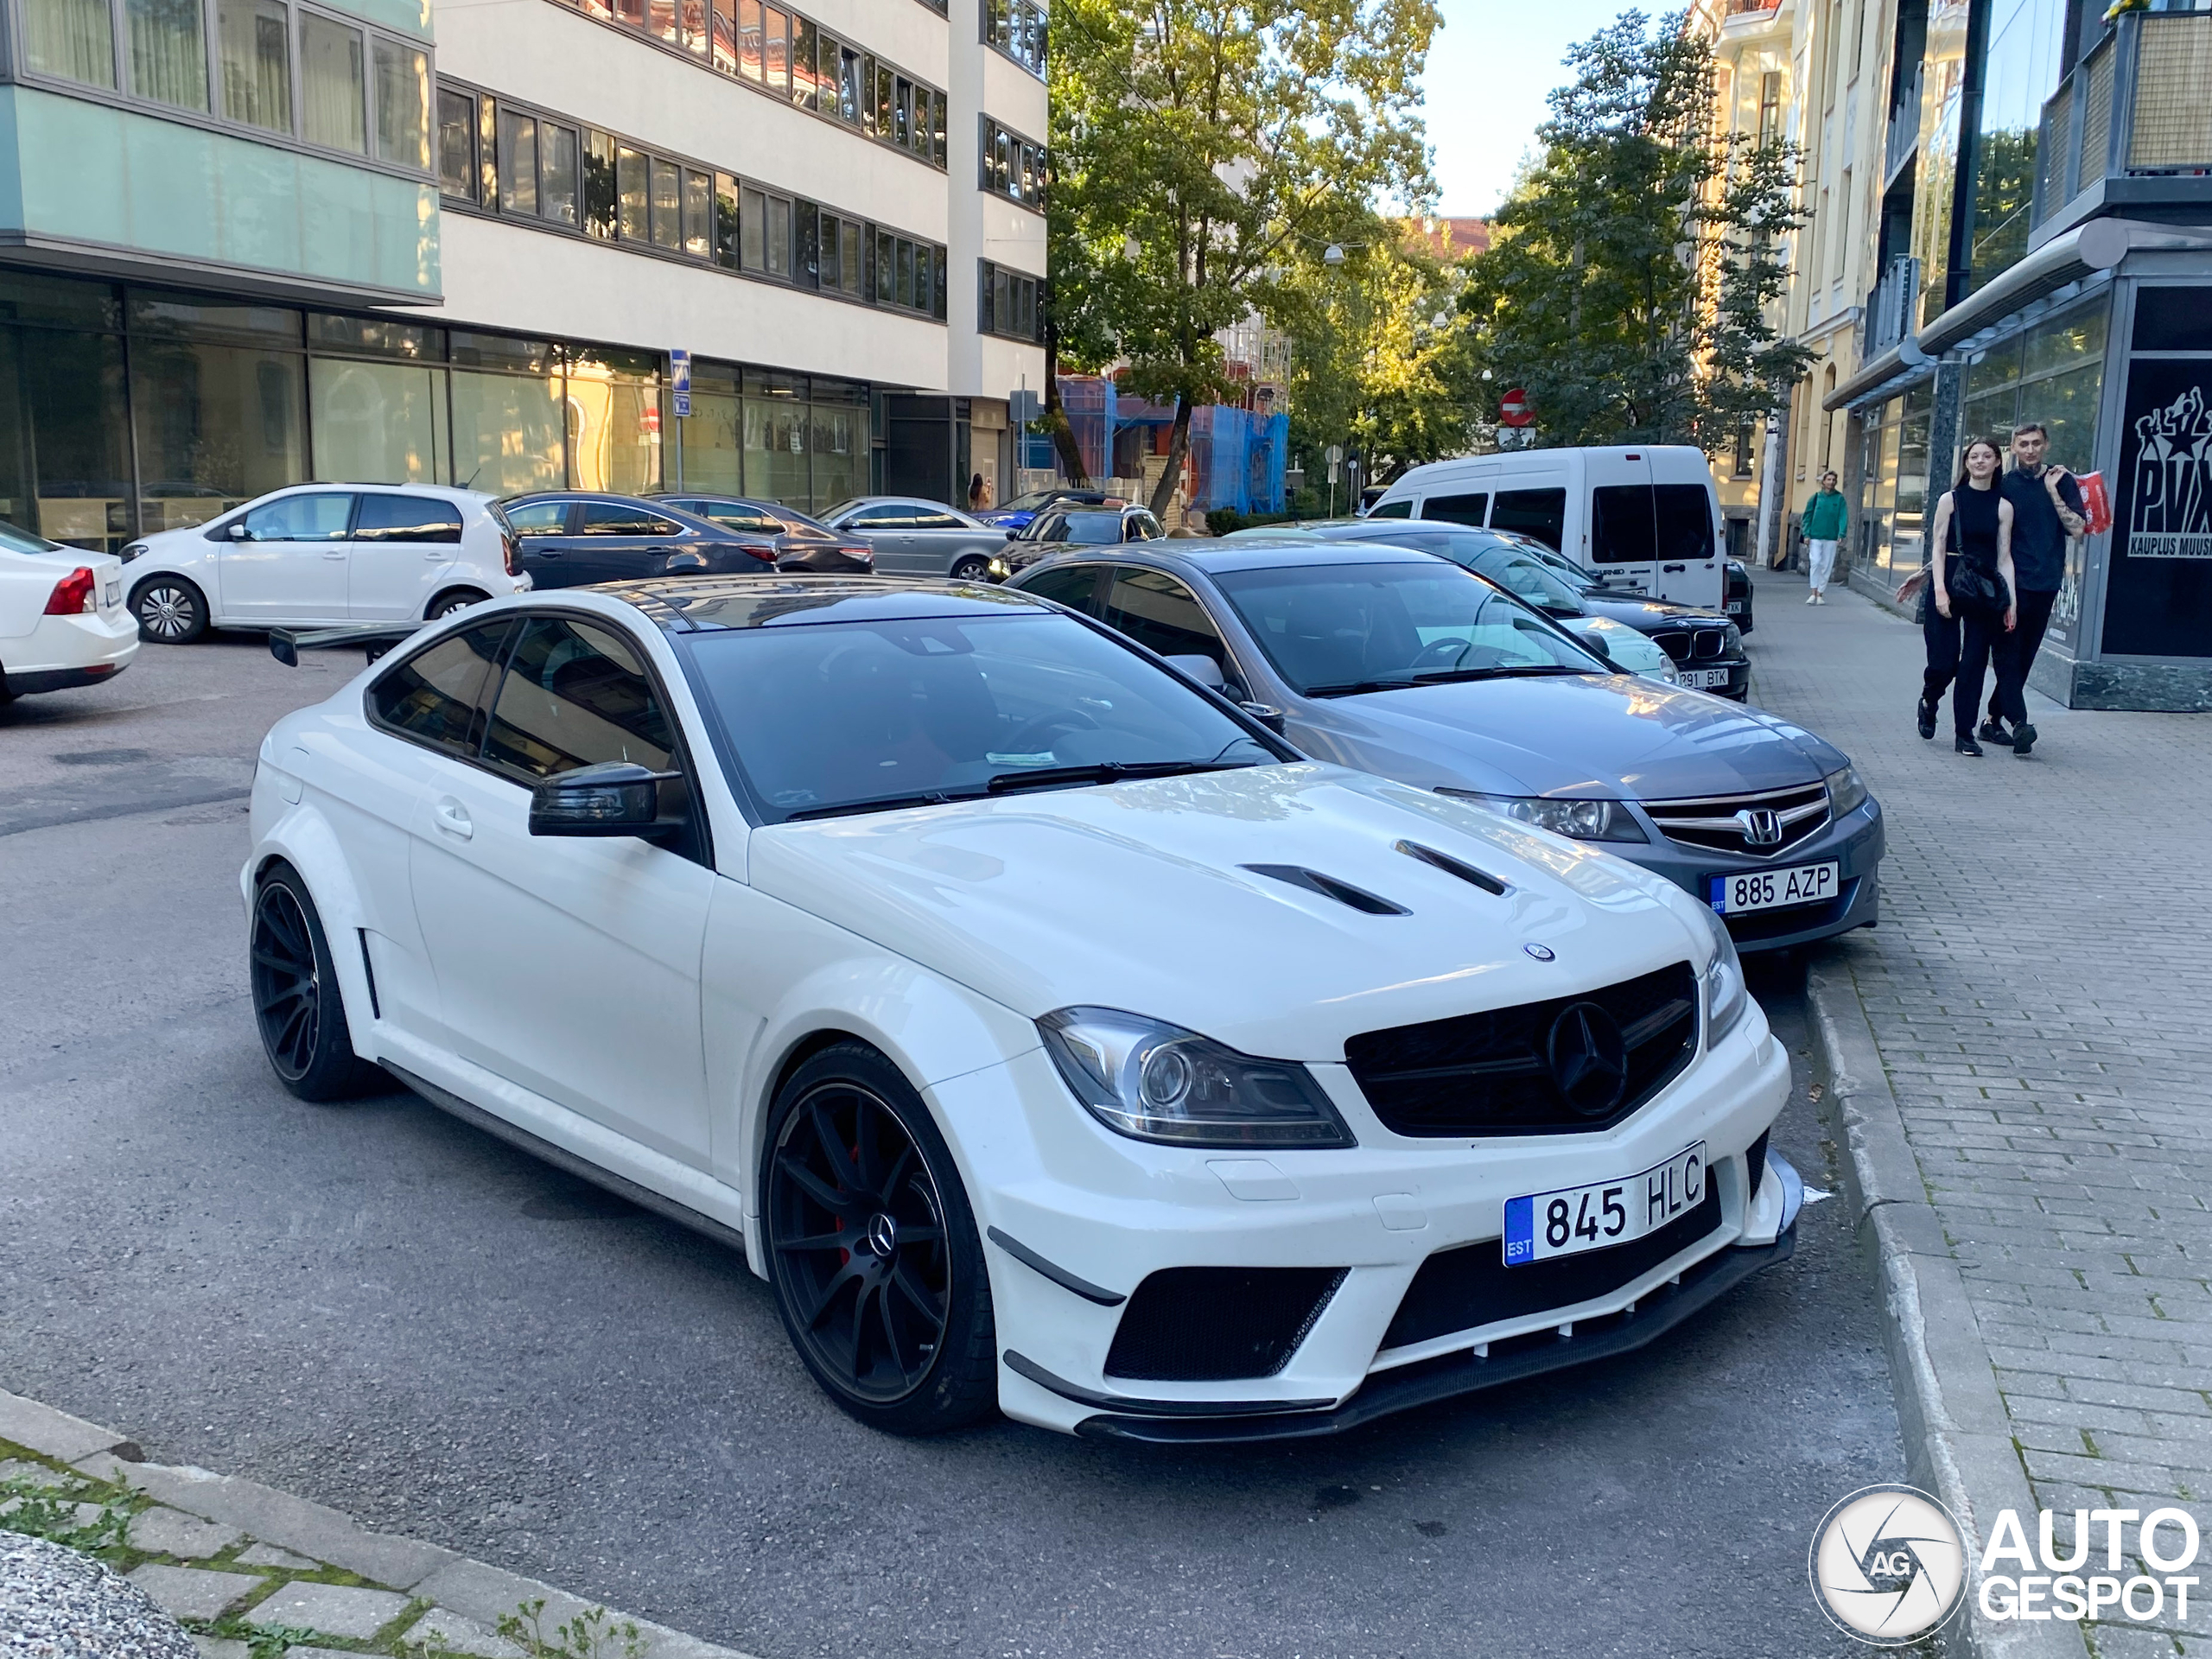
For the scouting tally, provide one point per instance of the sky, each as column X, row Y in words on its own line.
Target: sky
column 1488, row 71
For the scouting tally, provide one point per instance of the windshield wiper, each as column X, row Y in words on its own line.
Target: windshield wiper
column 1499, row 671
column 1107, row 772
column 1353, row 687
column 885, row 804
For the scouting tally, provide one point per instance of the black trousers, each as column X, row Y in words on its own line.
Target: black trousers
column 1960, row 647
column 2016, row 656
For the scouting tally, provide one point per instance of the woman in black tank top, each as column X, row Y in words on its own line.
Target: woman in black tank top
column 1974, row 528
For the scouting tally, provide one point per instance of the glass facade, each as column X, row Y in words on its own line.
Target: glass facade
column 2020, row 68
column 1017, row 29
column 2053, row 372
column 127, row 410
column 1894, row 516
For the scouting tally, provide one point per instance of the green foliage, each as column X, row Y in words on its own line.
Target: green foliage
column 1200, row 146
column 50, row 1512
column 1630, row 277
column 593, row 1634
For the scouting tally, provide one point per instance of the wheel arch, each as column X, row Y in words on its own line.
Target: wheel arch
column 304, row 839
column 448, row 590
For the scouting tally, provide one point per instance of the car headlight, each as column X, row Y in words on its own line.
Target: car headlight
column 1667, row 670
column 999, row 569
column 1847, row 791
column 1727, row 999
column 1732, row 641
column 1152, row 1081
column 134, row 551
column 1584, row 820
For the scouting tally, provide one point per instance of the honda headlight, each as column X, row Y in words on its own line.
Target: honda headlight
column 1847, row 791
column 1727, row 999
column 1584, row 820
column 1152, row 1081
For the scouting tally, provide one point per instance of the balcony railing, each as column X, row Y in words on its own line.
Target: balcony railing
column 1889, row 307
column 2134, row 108
column 1903, row 137
column 1732, row 9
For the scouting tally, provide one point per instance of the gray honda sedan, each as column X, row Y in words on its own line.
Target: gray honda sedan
column 1403, row 664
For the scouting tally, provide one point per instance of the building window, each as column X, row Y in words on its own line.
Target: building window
column 556, row 163
column 1007, row 303
column 630, row 190
column 169, row 52
column 72, row 39
column 403, row 88
column 1011, row 166
column 518, row 162
column 331, row 78
column 1770, row 107
column 456, row 142
column 602, row 193
column 1017, row 29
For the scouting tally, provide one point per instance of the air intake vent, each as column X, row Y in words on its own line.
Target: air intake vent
column 1215, row 1324
column 1329, row 887
column 1451, row 866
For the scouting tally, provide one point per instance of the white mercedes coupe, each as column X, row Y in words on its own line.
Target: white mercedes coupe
column 1049, row 1034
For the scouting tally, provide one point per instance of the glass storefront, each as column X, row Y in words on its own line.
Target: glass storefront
column 1895, row 460
column 127, row 411
column 2053, row 372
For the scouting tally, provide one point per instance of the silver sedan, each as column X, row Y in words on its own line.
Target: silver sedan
column 914, row 536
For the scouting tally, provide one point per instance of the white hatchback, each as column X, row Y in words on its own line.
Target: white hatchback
column 1052, row 1035
column 322, row 554
column 62, row 622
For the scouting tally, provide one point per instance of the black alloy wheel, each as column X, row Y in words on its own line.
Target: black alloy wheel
column 456, row 598
column 170, row 609
column 874, row 1257
column 296, row 998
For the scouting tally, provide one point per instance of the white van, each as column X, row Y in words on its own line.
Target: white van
column 1644, row 518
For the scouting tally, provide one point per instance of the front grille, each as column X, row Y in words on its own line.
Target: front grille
column 1727, row 823
column 1491, row 1073
column 1709, row 642
column 1676, row 644
column 1218, row 1325
column 1470, row 1286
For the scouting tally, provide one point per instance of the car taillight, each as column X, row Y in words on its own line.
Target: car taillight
column 765, row 554
column 73, row 594
column 511, row 552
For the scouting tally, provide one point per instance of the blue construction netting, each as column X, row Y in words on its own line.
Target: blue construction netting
column 1236, row 458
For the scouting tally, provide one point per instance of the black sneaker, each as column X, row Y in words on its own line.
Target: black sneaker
column 1927, row 718
column 1993, row 731
column 2023, row 739
column 1966, row 745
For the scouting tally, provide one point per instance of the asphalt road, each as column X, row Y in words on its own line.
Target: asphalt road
column 382, row 1310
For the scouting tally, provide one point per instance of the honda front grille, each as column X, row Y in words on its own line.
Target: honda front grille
column 1760, row 825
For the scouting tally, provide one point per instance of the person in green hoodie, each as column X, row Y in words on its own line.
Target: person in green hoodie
column 1823, row 530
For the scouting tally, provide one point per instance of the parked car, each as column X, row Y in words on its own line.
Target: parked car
column 1739, row 606
column 1705, row 649
column 573, row 539
column 1058, row 529
column 796, row 542
column 879, row 926
column 1402, row 664
column 320, row 554
column 1019, row 511
column 1645, row 518
column 913, row 536
column 62, row 619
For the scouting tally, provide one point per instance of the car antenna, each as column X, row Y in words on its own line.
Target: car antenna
column 472, row 477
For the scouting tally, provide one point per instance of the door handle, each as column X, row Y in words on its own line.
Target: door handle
column 336, row 553
column 1674, row 570
column 452, row 817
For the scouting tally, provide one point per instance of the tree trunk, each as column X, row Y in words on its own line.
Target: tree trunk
column 1056, row 418
column 1178, row 447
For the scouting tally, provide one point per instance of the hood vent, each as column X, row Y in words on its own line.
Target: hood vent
column 1451, row 866
column 1329, row 887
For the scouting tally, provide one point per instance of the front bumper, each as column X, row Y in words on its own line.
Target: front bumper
column 1078, row 1220
column 1856, row 843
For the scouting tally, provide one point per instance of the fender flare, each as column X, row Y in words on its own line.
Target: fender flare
column 303, row 837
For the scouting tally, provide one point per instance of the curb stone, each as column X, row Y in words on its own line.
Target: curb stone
column 473, row 1594
column 1958, row 1441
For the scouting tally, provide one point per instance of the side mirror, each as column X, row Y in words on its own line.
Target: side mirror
column 1594, row 641
column 1268, row 716
column 613, row 799
column 1206, row 671
column 235, row 529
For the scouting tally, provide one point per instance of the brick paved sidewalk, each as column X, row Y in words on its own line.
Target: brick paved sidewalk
column 2038, row 990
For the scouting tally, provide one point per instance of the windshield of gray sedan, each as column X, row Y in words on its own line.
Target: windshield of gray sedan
column 832, row 718
column 1336, row 629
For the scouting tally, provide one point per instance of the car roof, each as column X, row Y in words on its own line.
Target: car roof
column 718, row 604
column 1216, row 556
column 897, row 501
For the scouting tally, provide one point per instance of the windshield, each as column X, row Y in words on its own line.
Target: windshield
column 1333, row 631
column 839, row 717
column 1032, row 502
column 17, row 540
column 1092, row 528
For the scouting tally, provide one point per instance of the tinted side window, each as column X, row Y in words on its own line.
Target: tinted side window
column 1621, row 529
column 926, row 520
column 737, row 515
column 437, row 697
column 1395, row 510
column 406, row 518
column 1540, row 514
column 1684, row 515
column 1457, row 509
column 616, row 518
column 1156, row 610
column 539, row 518
column 574, row 696
column 889, row 517
column 1142, row 527
column 1075, row 585
column 320, row 516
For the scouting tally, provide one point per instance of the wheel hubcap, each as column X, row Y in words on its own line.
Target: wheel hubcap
column 287, row 985
column 166, row 612
column 857, row 1230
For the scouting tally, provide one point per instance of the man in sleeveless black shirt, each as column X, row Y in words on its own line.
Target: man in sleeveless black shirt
column 2046, row 512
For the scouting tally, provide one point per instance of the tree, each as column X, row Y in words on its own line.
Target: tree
column 1201, row 145
column 1631, row 275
